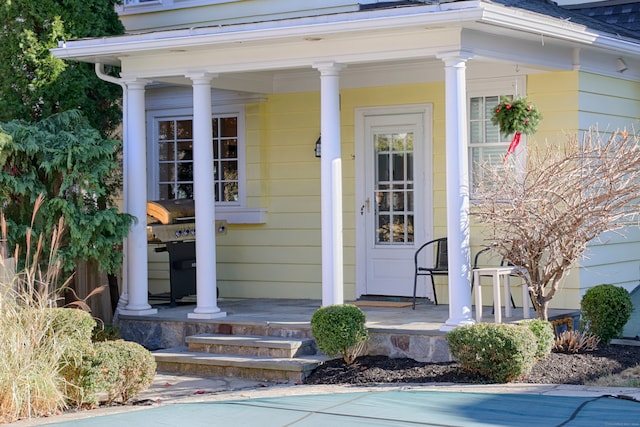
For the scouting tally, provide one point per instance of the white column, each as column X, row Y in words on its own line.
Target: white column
column 124, row 293
column 331, row 184
column 204, row 198
column 135, row 153
column 457, row 184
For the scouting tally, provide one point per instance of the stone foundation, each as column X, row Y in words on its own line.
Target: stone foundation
column 155, row 335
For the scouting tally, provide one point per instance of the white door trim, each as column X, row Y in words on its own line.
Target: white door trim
column 423, row 197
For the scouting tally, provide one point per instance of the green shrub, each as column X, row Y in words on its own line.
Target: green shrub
column 499, row 352
column 87, row 381
column 71, row 328
column 104, row 332
column 605, row 311
column 545, row 337
column 114, row 370
column 75, row 327
column 120, row 369
column 339, row 330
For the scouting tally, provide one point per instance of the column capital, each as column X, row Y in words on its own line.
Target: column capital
column 455, row 56
column 329, row 67
column 134, row 82
column 201, row 77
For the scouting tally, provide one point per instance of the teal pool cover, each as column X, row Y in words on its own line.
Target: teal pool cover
column 388, row 408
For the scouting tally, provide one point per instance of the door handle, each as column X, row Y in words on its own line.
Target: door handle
column 366, row 205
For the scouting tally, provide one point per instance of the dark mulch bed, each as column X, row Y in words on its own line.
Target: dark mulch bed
column 556, row 368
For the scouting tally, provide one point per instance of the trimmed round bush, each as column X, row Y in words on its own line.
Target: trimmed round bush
column 71, row 329
column 93, row 379
column 136, row 368
column 339, row 329
column 75, row 327
column 605, row 310
column 545, row 337
column 118, row 369
column 498, row 352
column 104, row 332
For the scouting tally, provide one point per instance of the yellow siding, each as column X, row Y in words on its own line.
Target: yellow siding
column 556, row 95
column 432, row 93
column 281, row 258
column 283, row 176
column 571, row 102
column 158, row 270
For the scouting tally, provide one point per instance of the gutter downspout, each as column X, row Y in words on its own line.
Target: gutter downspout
column 123, row 300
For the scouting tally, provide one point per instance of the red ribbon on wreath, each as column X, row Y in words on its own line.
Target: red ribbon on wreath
column 512, row 147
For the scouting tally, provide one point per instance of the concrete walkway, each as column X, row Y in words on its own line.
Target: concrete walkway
column 173, row 399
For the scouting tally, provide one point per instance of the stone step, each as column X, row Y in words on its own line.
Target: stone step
column 180, row 360
column 251, row 345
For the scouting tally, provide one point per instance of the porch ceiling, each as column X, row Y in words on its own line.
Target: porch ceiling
column 354, row 76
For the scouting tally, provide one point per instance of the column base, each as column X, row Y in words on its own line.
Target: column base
column 142, row 312
column 451, row 324
column 206, row 316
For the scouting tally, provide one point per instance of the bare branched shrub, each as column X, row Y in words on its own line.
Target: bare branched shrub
column 575, row 341
column 543, row 218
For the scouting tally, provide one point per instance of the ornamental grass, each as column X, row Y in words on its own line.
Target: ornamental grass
column 30, row 352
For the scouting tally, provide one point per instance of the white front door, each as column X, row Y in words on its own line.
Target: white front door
column 394, row 196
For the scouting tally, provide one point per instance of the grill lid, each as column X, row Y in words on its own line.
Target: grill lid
column 171, row 211
column 174, row 220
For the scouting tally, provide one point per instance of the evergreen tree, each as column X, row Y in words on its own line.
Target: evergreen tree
column 34, row 84
column 46, row 148
column 63, row 158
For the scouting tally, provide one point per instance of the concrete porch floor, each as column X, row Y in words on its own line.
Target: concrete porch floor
column 426, row 318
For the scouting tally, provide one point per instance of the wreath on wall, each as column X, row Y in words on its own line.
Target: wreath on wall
column 516, row 116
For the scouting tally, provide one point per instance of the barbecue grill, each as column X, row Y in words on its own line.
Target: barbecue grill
column 172, row 222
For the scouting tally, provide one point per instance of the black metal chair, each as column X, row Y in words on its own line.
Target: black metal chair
column 437, row 266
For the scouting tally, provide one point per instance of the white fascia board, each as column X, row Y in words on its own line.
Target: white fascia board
column 377, row 20
column 367, row 47
column 539, row 24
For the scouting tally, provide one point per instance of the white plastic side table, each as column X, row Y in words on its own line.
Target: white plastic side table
column 498, row 273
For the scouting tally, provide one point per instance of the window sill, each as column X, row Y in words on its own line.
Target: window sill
column 239, row 215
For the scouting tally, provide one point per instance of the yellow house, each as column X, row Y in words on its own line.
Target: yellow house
column 396, row 95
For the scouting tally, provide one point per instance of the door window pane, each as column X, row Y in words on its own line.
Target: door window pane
column 393, row 189
column 166, row 150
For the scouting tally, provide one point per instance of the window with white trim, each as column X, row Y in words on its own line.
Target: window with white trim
column 487, row 145
column 174, row 156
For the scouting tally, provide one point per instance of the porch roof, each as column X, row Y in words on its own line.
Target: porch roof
column 537, row 22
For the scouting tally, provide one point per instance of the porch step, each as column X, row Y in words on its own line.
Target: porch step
column 181, row 360
column 251, row 345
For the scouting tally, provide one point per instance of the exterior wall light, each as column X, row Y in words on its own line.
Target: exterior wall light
column 318, row 146
column 621, row 66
